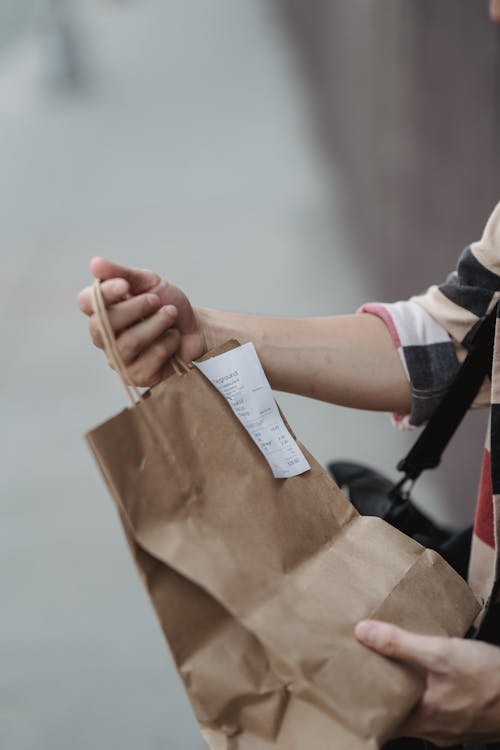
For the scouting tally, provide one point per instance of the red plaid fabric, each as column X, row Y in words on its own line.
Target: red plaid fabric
column 433, row 332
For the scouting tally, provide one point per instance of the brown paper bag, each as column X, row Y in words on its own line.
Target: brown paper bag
column 258, row 582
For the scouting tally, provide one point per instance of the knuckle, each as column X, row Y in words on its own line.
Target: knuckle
column 156, row 279
column 128, row 345
column 147, row 303
column 160, row 350
column 131, row 376
column 139, row 377
column 93, row 327
column 82, row 299
column 390, row 643
column 95, row 334
column 132, row 380
column 390, row 647
column 440, row 651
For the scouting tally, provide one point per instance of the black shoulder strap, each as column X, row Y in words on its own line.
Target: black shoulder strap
column 427, row 451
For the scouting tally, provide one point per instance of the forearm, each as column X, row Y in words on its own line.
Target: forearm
column 348, row 360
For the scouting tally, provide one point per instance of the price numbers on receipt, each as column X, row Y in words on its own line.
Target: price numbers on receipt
column 239, row 376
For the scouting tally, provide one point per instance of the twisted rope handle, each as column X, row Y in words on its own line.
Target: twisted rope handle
column 111, row 348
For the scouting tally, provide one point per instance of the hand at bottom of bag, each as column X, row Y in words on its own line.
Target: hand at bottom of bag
column 461, row 701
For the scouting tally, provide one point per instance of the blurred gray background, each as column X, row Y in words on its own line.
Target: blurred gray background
column 281, row 157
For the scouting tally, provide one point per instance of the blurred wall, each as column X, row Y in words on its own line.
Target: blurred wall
column 406, row 94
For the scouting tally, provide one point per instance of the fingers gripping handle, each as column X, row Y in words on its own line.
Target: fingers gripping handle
column 112, row 351
column 110, row 345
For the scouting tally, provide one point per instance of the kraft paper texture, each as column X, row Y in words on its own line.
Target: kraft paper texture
column 258, row 582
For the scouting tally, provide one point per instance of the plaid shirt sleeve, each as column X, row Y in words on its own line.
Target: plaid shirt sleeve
column 434, row 331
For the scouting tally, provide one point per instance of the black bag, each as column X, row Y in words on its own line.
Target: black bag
column 374, row 494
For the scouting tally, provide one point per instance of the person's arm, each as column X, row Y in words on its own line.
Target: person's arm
column 348, row 360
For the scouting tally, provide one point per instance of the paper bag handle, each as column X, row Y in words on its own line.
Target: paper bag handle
column 112, row 351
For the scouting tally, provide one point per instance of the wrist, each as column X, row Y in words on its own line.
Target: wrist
column 204, row 318
column 217, row 327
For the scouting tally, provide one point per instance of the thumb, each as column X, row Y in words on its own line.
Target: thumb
column 139, row 280
column 423, row 651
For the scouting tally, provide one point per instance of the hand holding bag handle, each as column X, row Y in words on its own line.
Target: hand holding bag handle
column 113, row 353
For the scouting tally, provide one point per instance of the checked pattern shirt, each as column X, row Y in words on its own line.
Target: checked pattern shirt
column 433, row 332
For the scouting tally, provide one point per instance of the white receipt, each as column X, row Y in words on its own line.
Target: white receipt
column 239, row 377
